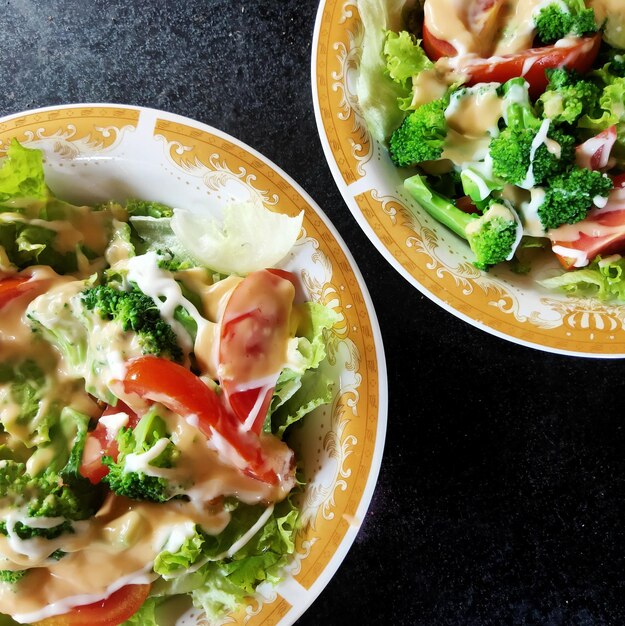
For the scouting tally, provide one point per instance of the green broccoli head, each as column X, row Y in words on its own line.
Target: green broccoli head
column 149, row 438
column 148, row 208
column 568, row 96
column 11, row 576
column 556, row 21
column 138, row 313
column 46, row 496
column 493, row 236
column 569, row 196
column 421, row 136
column 521, row 158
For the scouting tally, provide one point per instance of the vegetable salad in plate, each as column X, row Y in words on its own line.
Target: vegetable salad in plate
column 151, row 362
column 507, row 121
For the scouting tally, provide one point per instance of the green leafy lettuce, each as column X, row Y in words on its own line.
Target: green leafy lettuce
column 603, row 279
column 221, row 584
column 382, row 80
column 303, row 386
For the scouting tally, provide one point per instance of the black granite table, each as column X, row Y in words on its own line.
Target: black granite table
column 501, row 496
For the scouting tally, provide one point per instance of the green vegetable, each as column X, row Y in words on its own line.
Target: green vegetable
column 138, row 313
column 138, row 485
column 492, row 236
column 602, row 279
column 568, row 96
column 520, row 156
column 11, row 576
column 421, row 136
column 222, row 585
column 569, row 196
column 22, row 175
column 561, row 19
column 148, row 208
column 53, row 494
column 405, row 58
column 303, row 386
column 611, row 112
column 378, row 94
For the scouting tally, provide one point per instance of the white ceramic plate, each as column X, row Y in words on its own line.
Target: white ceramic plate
column 97, row 152
column 430, row 257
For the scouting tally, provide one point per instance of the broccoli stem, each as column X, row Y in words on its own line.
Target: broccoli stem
column 438, row 207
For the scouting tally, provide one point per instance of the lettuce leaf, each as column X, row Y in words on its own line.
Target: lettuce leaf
column 612, row 113
column 603, row 279
column 27, row 387
column 250, row 237
column 21, row 174
column 219, row 586
column 404, row 59
column 146, row 615
column 303, row 386
column 378, row 92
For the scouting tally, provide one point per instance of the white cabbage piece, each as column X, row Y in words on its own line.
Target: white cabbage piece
column 250, row 237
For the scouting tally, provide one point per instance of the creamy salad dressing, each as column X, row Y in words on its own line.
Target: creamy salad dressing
column 506, row 28
column 472, row 117
column 135, row 531
column 612, row 11
column 166, row 293
column 119, row 544
column 114, row 549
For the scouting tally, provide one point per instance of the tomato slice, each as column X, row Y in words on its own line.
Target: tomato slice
column 253, row 342
column 14, row 286
column 178, row 389
column 601, row 232
column 112, row 611
column 481, row 17
column 531, row 64
column 594, row 153
column 101, row 442
column 434, row 47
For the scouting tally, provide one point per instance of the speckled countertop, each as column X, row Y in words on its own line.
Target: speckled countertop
column 501, row 498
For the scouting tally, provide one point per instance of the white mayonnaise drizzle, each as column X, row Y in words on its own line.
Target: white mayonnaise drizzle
column 157, row 283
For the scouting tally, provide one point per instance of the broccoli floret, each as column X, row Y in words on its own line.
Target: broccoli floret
column 568, row 96
column 136, row 312
column 555, row 22
column 492, row 236
column 421, row 136
column 569, row 196
column 617, row 65
column 528, row 150
column 65, row 495
column 11, row 576
column 138, row 485
column 518, row 160
column 147, row 208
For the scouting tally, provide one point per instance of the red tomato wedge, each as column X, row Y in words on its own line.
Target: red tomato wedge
column 482, row 18
column 253, row 343
column 101, row 442
column 601, row 232
column 178, row 389
column 594, row 153
column 531, row 64
column 14, row 286
column 434, row 47
column 112, row 611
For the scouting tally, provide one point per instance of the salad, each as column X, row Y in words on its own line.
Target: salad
column 152, row 361
column 506, row 119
